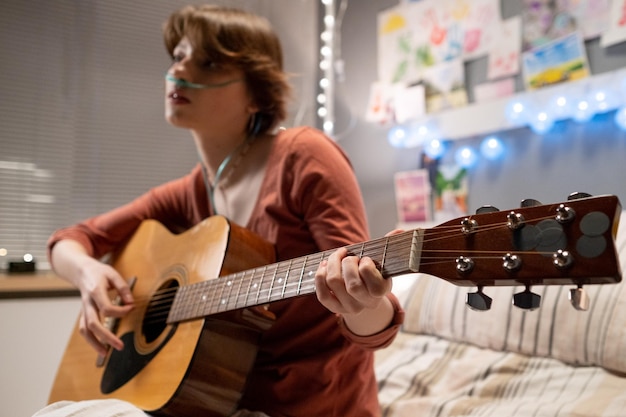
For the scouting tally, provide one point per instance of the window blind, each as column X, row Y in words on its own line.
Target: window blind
column 81, row 116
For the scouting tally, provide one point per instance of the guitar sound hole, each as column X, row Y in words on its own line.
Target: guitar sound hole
column 155, row 320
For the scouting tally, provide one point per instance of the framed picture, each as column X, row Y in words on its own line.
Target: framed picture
column 413, row 196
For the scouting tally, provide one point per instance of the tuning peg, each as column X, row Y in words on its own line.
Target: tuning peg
column 578, row 195
column 527, row 300
column 478, row 300
column 529, row 202
column 486, row 209
column 579, row 298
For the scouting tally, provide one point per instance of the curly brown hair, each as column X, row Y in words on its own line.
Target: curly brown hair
column 245, row 40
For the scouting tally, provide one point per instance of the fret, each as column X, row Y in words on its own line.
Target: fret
column 282, row 295
column 190, row 302
column 176, row 305
column 187, row 303
column 302, row 271
column 238, row 292
column 229, row 286
column 210, row 288
column 251, row 281
column 260, row 287
column 384, row 256
column 201, row 295
column 286, row 279
column 274, row 280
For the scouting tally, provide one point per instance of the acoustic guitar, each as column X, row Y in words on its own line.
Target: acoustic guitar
column 191, row 339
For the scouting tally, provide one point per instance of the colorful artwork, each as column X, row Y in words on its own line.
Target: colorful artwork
column 543, row 23
column 494, row 90
column 559, row 61
column 409, row 103
column 413, row 196
column 393, row 103
column 592, row 16
column 546, row 20
column 450, row 192
column 380, row 104
column 416, row 36
column 616, row 32
column 504, row 56
column 444, row 86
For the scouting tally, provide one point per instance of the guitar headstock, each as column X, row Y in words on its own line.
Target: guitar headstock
column 571, row 242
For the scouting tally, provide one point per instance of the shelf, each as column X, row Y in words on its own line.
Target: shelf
column 37, row 285
column 489, row 117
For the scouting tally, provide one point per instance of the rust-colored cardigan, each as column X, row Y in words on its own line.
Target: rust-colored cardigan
column 308, row 364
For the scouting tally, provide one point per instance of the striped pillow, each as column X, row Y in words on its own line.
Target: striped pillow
column 556, row 329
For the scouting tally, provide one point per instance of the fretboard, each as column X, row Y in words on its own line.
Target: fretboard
column 394, row 255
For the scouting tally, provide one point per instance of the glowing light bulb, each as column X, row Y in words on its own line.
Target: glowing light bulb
column 434, row 149
column 561, row 107
column 583, row 112
column 466, row 157
column 492, row 148
column 397, row 136
column 516, row 111
column 541, row 123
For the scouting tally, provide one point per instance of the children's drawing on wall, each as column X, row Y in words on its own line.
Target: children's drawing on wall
column 547, row 20
column 559, row 61
column 616, row 30
column 380, row 104
column 503, row 60
column 542, row 23
column 417, row 35
column 413, row 196
column 592, row 16
column 393, row 103
column 444, row 86
column 494, row 89
column 450, row 192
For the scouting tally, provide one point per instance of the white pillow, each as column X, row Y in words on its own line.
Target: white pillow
column 556, row 329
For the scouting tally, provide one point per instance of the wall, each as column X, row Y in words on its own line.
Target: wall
column 34, row 334
column 571, row 158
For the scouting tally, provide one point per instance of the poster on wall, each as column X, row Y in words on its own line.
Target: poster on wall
column 546, row 20
column 393, row 103
column 542, row 23
column 450, row 192
column 444, row 86
column 504, row 57
column 413, row 196
column 616, row 31
column 380, row 104
column 561, row 60
column 493, row 90
column 416, row 36
column 592, row 16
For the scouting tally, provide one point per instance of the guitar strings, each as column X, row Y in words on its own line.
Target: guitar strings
column 160, row 303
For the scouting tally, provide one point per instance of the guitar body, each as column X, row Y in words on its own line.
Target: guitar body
column 189, row 368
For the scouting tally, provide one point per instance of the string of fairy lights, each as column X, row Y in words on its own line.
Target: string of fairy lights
column 326, row 97
column 539, row 110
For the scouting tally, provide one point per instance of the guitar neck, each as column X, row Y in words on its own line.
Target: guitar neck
column 395, row 255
